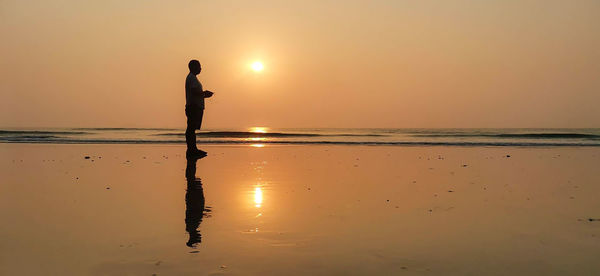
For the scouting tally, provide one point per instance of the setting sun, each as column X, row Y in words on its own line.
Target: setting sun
column 257, row 66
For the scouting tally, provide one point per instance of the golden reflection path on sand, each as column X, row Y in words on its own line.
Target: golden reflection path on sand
column 257, row 200
column 258, row 197
column 256, row 191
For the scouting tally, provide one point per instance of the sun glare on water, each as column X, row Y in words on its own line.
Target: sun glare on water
column 257, row 132
column 257, row 66
column 259, row 129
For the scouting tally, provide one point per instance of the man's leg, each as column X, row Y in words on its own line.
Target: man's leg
column 190, row 131
column 198, row 120
column 199, row 117
column 190, row 139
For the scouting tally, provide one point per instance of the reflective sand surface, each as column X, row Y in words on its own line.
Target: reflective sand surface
column 298, row 210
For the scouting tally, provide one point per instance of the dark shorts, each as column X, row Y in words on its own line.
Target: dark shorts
column 194, row 117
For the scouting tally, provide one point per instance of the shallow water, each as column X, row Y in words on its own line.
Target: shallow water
column 589, row 137
column 298, row 210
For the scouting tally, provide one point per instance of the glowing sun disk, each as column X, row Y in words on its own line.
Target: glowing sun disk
column 257, row 66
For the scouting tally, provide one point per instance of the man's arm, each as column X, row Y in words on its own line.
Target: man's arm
column 205, row 94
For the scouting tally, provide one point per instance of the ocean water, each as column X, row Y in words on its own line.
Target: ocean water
column 259, row 136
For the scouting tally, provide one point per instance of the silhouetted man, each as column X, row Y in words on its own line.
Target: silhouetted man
column 194, row 107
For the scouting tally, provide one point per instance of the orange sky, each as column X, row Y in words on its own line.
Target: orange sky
column 327, row 64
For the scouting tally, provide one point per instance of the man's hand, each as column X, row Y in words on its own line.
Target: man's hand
column 208, row 94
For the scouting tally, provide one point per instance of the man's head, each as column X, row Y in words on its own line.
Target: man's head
column 195, row 67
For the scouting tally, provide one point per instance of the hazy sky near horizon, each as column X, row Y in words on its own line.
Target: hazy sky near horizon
column 467, row 63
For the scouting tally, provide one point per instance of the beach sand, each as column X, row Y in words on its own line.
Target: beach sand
column 299, row 210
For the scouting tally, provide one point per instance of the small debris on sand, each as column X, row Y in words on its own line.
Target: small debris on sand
column 108, row 188
column 508, row 156
column 593, row 219
column 464, row 165
column 450, row 191
column 86, row 157
column 223, row 266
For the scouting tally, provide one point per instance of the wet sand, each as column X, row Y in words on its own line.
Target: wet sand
column 299, row 210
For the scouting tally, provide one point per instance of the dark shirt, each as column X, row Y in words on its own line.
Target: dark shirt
column 194, row 95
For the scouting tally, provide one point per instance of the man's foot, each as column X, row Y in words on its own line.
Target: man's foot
column 195, row 153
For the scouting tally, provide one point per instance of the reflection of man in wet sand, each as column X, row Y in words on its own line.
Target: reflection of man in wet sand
column 194, row 107
column 194, row 203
